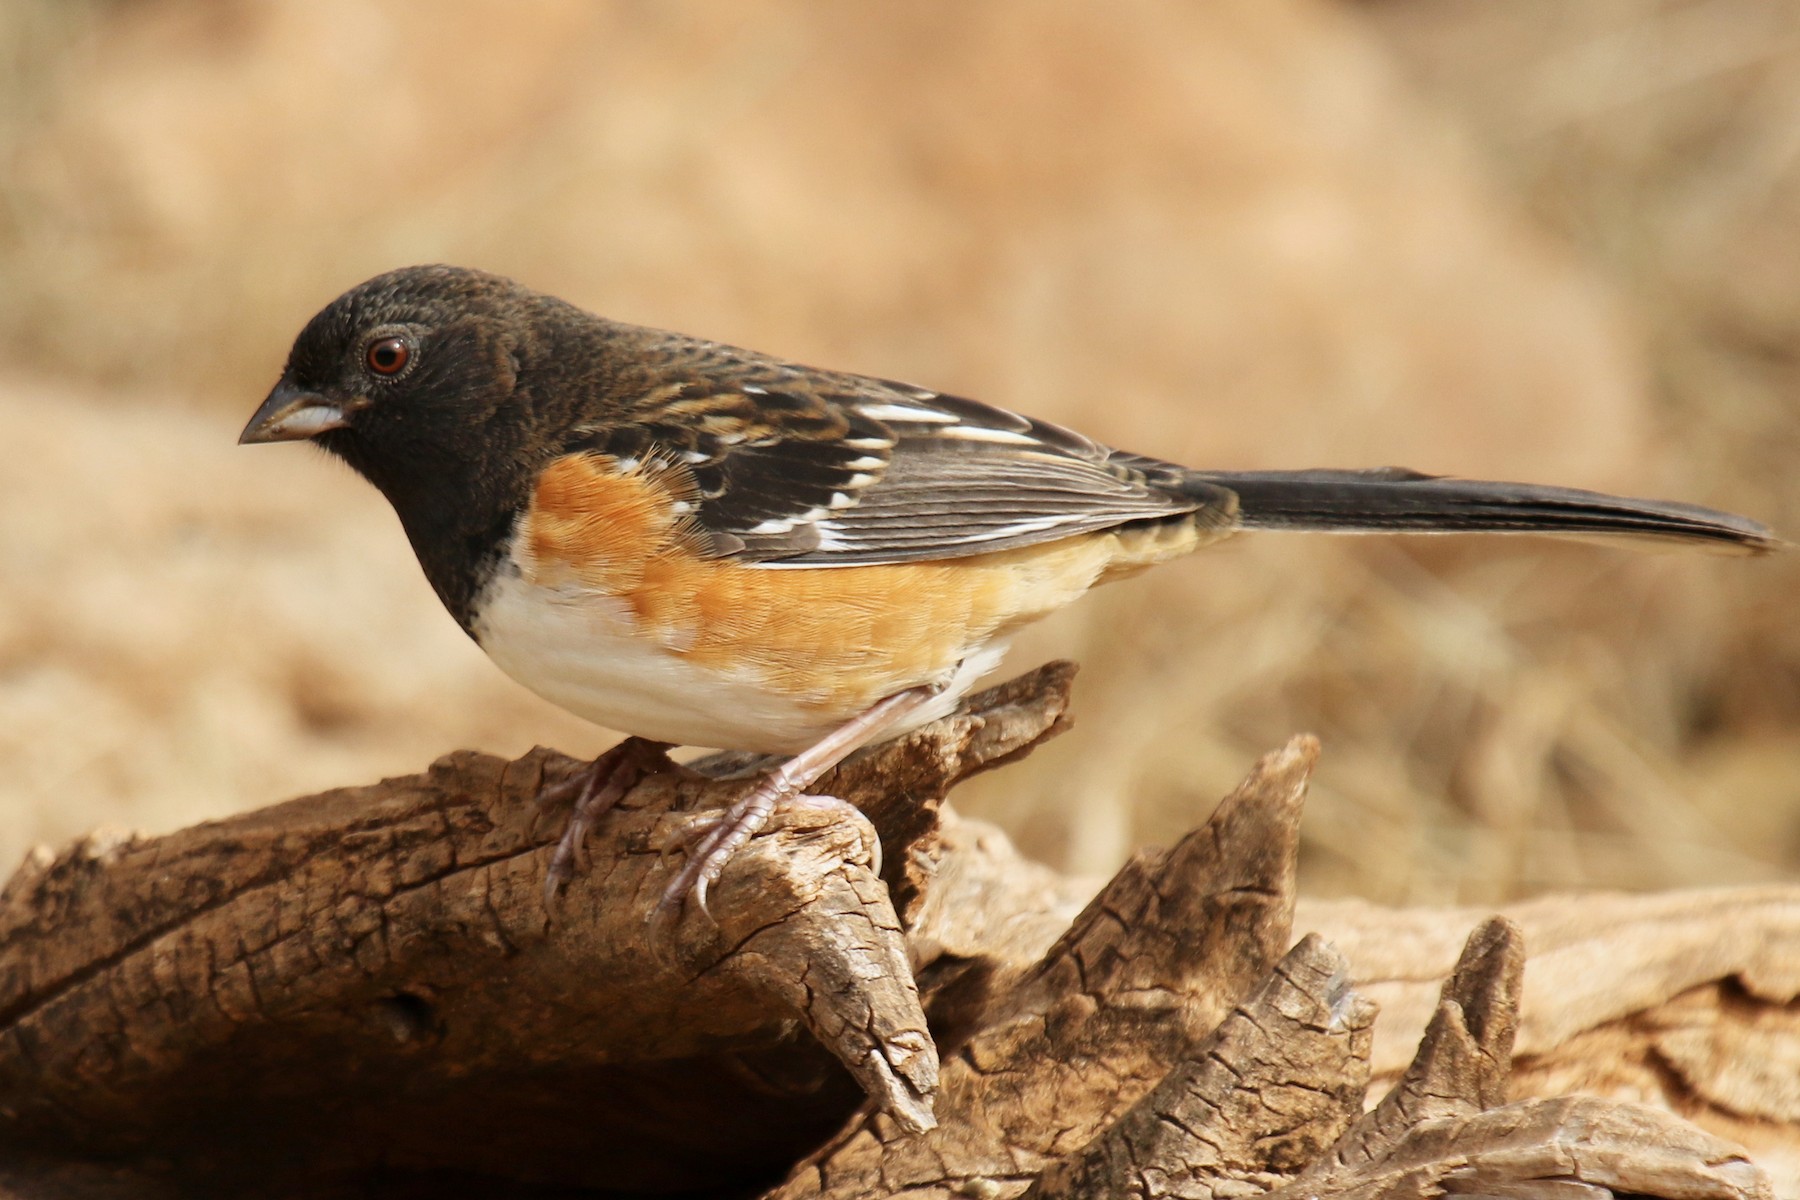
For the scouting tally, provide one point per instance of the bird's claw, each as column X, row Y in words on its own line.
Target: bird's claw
column 711, row 839
column 596, row 788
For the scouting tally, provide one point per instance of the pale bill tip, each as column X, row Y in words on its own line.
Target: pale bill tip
column 293, row 424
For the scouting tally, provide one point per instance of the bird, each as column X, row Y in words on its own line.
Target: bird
column 702, row 545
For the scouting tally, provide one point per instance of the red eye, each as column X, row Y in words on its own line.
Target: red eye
column 388, row 356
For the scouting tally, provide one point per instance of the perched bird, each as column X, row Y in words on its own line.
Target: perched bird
column 703, row 545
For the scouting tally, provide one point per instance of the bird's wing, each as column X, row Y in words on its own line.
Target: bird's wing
column 796, row 467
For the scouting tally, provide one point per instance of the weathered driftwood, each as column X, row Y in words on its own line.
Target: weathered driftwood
column 363, row 991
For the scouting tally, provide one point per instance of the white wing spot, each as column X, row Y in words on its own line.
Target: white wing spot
column 771, row 526
column 842, row 500
column 755, row 389
column 906, row 412
column 865, row 463
column 694, row 456
column 860, row 480
column 868, row 443
column 985, row 433
column 1020, row 528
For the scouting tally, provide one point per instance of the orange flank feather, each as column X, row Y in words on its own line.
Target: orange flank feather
column 835, row 638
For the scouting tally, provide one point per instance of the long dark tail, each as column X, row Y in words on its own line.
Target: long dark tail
column 1395, row 500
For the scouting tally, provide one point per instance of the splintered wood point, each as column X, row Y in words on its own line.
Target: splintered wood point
column 1273, row 1086
column 1146, row 971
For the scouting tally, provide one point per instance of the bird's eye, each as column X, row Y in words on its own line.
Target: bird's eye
column 388, row 356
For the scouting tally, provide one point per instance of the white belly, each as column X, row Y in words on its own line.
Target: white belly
column 580, row 650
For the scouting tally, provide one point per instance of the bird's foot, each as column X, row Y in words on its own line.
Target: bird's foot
column 714, row 839
column 596, row 788
column 710, row 839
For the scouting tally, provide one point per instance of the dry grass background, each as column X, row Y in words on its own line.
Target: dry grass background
column 1542, row 239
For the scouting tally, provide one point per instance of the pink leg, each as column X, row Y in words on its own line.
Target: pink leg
column 739, row 823
column 596, row 788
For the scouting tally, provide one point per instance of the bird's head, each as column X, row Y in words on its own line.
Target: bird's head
column 414, row 371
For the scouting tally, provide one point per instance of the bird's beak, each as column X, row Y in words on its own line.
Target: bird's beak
column 291, row 414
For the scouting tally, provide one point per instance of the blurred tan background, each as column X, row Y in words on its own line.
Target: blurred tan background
column 1542, row 239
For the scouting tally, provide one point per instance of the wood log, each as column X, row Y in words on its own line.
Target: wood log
column 363, row 993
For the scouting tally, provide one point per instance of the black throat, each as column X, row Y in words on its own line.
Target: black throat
column 458, row 508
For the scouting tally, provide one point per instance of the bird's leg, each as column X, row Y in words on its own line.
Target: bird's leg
column 596, row 788
column 717, row 838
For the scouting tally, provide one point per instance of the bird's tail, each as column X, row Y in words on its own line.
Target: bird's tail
column 1395, row 500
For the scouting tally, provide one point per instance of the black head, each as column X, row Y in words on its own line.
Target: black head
column 407, row 371
column 437, row 384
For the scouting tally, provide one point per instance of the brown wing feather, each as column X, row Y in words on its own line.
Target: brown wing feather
column 801, row 467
